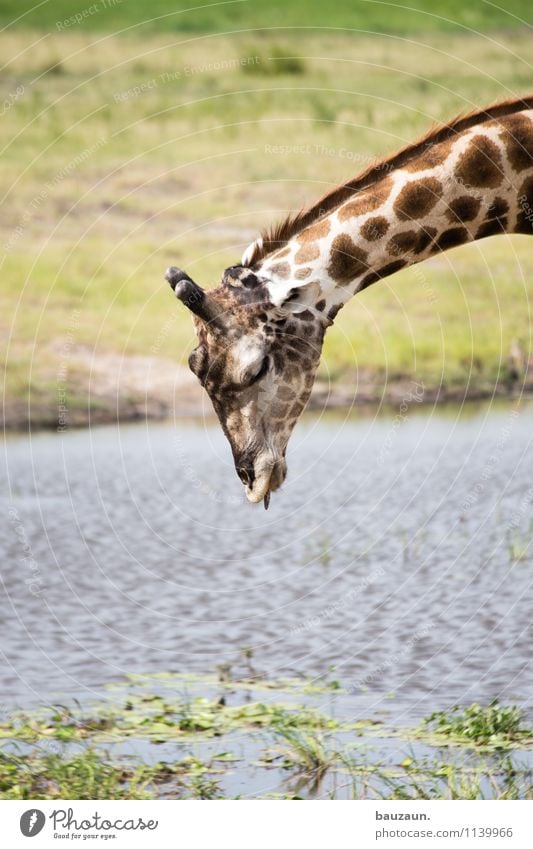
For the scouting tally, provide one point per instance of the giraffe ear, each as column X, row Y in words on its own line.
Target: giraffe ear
column 299, row 298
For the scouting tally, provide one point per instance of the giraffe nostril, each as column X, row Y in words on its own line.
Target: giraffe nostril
column 246, row 474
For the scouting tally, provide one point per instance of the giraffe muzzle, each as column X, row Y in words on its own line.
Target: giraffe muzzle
column 268, row 474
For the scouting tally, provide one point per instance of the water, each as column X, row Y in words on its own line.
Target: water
column 398, row 553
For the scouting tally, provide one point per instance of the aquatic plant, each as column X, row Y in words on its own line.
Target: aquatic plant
column 204, row 787
column 518, row 548
column 305, row 750
column 318, row 550
column 88, row 775
column 159, row 719
column 492, row 724
column 482, row 780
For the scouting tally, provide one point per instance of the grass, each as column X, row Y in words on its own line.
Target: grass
column 305, row 752
column 518, row 546
column 486, row 780
column 319, row 550
column 416, row 16
column 125, row 154
column 88, row 775
column 491, row 725
column 92, row 774
column 152, row 740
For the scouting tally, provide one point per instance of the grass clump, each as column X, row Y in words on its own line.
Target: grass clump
column 453, row 781
column 305, row 750
column 87, row 775
column 275, row 61
column 491, row 725
column 518, row 548
column 93, row 774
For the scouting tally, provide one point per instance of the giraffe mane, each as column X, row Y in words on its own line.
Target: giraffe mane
column 278, row 235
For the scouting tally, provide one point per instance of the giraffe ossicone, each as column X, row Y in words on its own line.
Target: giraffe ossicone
column 260, row 332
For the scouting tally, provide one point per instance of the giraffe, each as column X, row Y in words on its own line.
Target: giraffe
column 260, row 332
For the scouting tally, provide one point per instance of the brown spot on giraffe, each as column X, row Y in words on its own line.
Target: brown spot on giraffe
column 433, row 156
column 332, row 312
column 347, row 261
column 384, row 271
column 480, row 165
column 307, row 253
column 374, row 228
column 463, row 208
column 281, row 269
column 367, row 201
column 282, row 253
column 450, row 238
column 296, row 409
column 492, row 228
column 402, row 243
column 498, row 208
column 278, row 409
column 285, row 393
column 425, row 237
column 495, row 219
column 411, row 241
column 517, row 137
column 302, row 273
column 315, row 231
column 418, row 198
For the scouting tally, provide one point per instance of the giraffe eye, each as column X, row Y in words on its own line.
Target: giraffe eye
column 196, row 360
column 262, row 371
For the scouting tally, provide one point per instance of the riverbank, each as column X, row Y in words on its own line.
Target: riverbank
column 112, row 389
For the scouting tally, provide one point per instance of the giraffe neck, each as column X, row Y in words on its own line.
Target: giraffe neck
column 478, row 183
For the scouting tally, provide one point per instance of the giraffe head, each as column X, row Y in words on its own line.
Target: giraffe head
column 257, row 356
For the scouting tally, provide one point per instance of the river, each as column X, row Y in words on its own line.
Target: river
column 396, row 559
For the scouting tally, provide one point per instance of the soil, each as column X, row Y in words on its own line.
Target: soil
column 107, row 388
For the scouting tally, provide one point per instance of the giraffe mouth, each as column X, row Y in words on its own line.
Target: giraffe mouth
column 269, row 474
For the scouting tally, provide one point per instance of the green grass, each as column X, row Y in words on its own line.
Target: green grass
column 491, row 725
column 93, row 774
column 305, row 751
column 415, row 16
column 128, row 153
column 88, row 775
column 441, row 780
column 518, row 545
